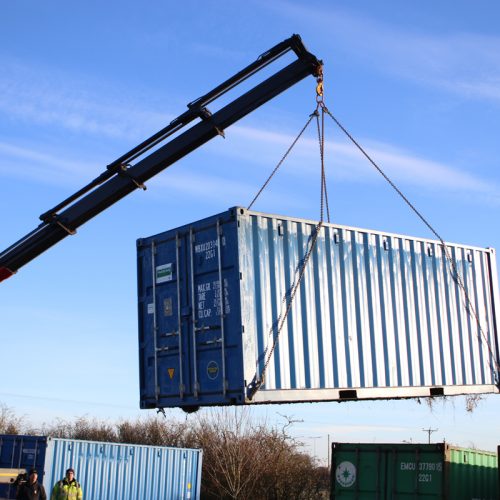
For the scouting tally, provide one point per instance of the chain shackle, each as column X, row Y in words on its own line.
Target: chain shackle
column 319, row 85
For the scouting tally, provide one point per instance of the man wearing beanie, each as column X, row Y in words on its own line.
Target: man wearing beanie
column 31, row 489
column 68, row 488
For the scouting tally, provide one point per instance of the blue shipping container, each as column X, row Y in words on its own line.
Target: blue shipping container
column 18, row 454
column 376, row 315
column 105, row 470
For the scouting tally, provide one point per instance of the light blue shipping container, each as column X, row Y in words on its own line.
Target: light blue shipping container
column 376, row 315
column 108, row 471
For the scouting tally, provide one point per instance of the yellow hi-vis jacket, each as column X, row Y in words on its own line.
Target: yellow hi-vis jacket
column 66, row 490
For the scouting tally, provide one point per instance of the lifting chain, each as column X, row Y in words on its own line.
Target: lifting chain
column 289, row 296
column 283, row 158
column 469, row 306
column 259, row 379
column 321, row 140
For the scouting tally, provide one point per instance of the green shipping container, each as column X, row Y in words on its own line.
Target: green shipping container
column 404, row 471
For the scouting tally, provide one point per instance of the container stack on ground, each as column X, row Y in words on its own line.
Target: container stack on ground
column 417, row 471
column 104, row 470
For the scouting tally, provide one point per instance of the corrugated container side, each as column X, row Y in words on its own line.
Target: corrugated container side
column 18, row 454
column 472, row 473
column 385, row 471
column 495, row 294
column 125, row 471
column 375, row 311
column 105, row 470
column 376, row 315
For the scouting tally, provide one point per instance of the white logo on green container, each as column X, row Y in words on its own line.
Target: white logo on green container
column 345, row 474
column 164, row 273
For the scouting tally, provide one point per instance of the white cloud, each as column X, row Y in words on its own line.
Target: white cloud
column 357, row 429
column 344, row 163
column 462, row 63
column 48, row 98
column 36, row 96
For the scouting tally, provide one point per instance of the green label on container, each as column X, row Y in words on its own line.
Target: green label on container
column 163, row 273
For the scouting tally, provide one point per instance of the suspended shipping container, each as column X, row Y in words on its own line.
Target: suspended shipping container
column 375, row 315
column 106, row 471
column 412, row 471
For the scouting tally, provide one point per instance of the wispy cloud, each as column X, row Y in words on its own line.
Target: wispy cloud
column 218, row 52
column 45, row 97
column 347, row 164
column 98, row 113
column 39, row 166
column 462, row 63
column 344, row 429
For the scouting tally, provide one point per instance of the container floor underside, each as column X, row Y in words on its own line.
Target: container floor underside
column 281, row 396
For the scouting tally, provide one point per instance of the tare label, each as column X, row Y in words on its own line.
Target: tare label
column 210, row 299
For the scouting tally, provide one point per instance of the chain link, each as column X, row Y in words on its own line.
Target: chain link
column 321, row 141
column 280, row 322
column 283, row 158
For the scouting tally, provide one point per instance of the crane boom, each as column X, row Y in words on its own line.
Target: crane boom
column 121, row 177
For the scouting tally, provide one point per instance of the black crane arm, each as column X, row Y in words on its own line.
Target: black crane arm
column 121, row 177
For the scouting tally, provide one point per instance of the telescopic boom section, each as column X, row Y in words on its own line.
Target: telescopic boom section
column 121, row 177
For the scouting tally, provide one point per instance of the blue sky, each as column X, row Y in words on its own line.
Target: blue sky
column 418, row 84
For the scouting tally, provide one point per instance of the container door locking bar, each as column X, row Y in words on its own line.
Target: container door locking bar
column 155, row 321
column 196, row 385
column 222, row 300
column 179, row 314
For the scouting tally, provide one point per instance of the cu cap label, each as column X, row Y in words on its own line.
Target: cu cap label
column 345, row 474
column 212, row 370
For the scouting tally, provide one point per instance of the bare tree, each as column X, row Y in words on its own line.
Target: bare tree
column 83, row 428
column 248, row 460
column 9, row 422
column 152, row 431
column 231, row 462
column 242, row 458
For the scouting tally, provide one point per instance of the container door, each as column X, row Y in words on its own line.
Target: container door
column 162, row 318
column 190, row 331
column 415, row 472
column 214, row 327
column 18, row 454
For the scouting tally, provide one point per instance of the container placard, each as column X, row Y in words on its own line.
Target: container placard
column 345, row 474
column 164, row 273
